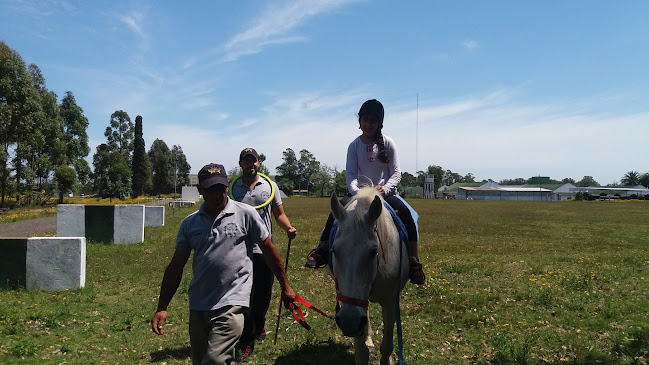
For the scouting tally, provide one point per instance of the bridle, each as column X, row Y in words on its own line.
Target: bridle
column 363, row 303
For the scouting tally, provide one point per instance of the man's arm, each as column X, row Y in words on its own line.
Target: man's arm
column 275, row 264
column 170, row 282
column 283, row 222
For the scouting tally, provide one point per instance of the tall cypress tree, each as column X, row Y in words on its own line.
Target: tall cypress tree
column 141, row 163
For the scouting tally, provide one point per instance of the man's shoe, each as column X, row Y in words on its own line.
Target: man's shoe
column 416, row 273
column 262, row 335
column 314, row 260
column 246, row 350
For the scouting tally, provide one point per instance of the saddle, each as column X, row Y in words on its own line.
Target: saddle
column 401, row 228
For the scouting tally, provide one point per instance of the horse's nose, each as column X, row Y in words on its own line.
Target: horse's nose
column 352, row 327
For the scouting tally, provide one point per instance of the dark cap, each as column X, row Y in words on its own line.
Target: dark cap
column 372, row 106
column 212, row 174
column 248, row 151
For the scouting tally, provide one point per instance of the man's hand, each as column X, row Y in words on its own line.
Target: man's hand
column 288, row 296
column 291, row 232
column 158, row 322
column 380, row 189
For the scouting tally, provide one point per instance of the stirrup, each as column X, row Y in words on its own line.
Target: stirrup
column 314, row 260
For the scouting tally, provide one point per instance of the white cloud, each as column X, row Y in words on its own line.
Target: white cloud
column 470, row 45
column 133, row 21
column 274, row 25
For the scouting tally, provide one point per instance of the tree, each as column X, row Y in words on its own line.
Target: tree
column 66, row 179
column 631, row 178
column 449, row 178
column 75, row 137
column 322, row 179
column 44, row 147
column 407, row 179
column 120, row 133
column 307, row 167
column 587, row 181
column 141, row 166
column 262, row 168
column 112, row 176
column 568, row 180
column 644, row 180
column 340, row 182
column 468, row 178
column 19, row 102
column 161, row 163
column 436, row 171
column 288, row 169
column 182, row 168
column 516, row 181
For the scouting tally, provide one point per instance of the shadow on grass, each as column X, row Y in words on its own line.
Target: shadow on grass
column 176, row 353
column 322, row 353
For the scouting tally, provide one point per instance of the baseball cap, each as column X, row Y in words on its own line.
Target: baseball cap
column 248, row 151
column 212, row 174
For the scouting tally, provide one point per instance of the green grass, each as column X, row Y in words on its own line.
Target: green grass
column 507, row 283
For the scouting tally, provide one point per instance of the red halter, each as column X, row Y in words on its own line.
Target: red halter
column 364, row 303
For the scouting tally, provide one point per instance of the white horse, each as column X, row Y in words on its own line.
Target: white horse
column 369, row 264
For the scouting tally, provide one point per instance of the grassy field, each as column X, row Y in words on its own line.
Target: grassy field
column 508, row 282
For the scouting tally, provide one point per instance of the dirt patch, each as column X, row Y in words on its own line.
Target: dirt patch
column 37, row 227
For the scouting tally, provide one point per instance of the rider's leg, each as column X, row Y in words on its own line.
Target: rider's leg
column 319, row 256
column 416, row 273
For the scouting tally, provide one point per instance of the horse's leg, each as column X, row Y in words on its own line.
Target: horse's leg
column 387, row 344
column 368, row 333
column 363, row 345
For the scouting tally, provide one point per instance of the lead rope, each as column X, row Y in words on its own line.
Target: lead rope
column 399, row 332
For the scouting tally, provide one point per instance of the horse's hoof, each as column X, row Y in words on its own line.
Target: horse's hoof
column 370, row 344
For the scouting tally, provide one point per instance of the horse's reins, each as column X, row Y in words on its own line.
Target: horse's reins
column 298, row 314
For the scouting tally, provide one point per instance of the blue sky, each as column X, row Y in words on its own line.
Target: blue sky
column 500, row 89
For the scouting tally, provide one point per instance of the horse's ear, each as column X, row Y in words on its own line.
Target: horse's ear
column 375, row 209
column 337, row 209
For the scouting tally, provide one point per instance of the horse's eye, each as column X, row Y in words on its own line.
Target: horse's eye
column 374, row 252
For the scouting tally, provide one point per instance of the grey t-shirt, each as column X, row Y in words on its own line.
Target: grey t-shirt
column 222, row 264
column 258, row 196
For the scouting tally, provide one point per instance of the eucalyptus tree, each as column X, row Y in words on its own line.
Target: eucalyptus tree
column 162, row 166
column 181, row 167
column 112, row 175
column 45, row 146
column 75, row 136
column 19, row 102
column 289, row 169
column 120, row 133
column 307, row 167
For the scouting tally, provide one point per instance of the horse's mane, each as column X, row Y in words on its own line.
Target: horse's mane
column 363, row 199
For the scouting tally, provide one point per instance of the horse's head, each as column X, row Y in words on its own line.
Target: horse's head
column 355, row 258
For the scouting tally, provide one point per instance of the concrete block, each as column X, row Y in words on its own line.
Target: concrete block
column 190, row 193
column 129, row 223
column 154, row 216
column 12, row 262
column 70, row 220
column 55, row 263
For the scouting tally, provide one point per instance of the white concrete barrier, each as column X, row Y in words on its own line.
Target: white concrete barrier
column 190, row 193
column 122, row 223
column 43, row 263
column 154, row 216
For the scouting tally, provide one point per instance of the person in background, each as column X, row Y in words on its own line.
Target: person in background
column 256, row 191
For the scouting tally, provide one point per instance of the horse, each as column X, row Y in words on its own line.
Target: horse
column 369, row 263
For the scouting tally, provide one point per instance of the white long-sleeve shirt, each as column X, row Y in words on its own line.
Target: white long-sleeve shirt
column 364, row 167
